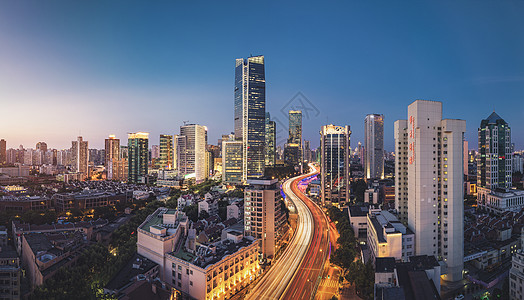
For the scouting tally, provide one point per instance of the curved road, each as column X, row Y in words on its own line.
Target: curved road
column 297, row 271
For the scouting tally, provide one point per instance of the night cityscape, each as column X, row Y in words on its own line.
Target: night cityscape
column 336, row 150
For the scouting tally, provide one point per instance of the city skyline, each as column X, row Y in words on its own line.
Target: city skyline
column 60, row 62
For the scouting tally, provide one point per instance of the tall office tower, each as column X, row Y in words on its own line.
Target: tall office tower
column 374, row 145
column 155, row 151
column 3, row 152
column 334, row 164
column 295, row 131
column 138, row 150
column 166, row 151
column 250, row 113
column 80, row 156
column 263, row 217
column 112, row 149
column 271, row 137
column 435, row 183
column 307, row 151
column 494, row 159
column 466, row 154
column 191, row 150
column 232, row 162
column 401, row 170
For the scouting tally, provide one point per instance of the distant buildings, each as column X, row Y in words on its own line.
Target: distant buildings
column 435, row 182
column 334, row 164
column 138, row 144
column 250, row 113
column 263, row 217
column 191, row 152
column 3, row 152
column 374, row 146
column 112, row 149
column 80, row 157
column 293, row 147
column 271, row 136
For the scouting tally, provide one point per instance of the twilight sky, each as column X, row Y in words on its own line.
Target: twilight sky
column 112, row 67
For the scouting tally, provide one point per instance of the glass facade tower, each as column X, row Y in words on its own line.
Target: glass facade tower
column 270, row 141
column 138, row 152
column 250, row 113
column 166, row 152
column 334, row 163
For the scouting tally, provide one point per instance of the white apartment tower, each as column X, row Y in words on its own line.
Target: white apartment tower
column 374, row 146
column 435, row 211
column 80, row 156
column 401, row 170
column 191, row 151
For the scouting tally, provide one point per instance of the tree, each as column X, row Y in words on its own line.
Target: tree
column 222, row 209
column 359, row 188
column 203, row 215
column 191, row 212
column 363, row 277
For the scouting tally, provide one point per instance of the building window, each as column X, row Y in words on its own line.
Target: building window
column 191, row 283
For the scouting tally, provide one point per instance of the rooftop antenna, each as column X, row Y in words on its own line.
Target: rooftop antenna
column 185, row 122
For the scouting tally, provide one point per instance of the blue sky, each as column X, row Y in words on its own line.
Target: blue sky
column 112, row 67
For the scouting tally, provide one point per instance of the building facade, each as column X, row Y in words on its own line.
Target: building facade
column 374, row 146
column 435, row 184
column 250, row 113
column 166, row 155
column 387, row 237
column 516, row 276
column 334, row 163
column 112, row 147
column 80, row 157
column 271, row 137
column 3, row 152
column 232, row 162
column 191, row 151
column 401, row 169
column 138, row 156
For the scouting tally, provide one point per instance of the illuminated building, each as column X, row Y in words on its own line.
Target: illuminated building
column 137, row 146
column 191, row 151
column 292, row 154
column 250, row 113
column 387, row 237
column 401, row 169
column 295, row 131
column 307, row 151
column 112, row 147
column 270, row 156
column 334, row 163
column 435, row 183
column 166, row 151
column 494, row 159
column 374, row 146
column 263, row 217
column 80, row 157
column 232, row 162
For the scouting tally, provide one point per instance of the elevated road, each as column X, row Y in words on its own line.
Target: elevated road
column 297, row 272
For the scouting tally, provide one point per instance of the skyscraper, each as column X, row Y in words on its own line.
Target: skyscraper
column 434, row 183
column 80, row 156
column 232, row 162
column 191, row 151
column 374, row 146
column 112, row 147
column 401, row 170
column 138, row 152
column 3, row 152
column 250, row 111
column 270, row 156
column 293, row 148
column 307, row 151
column 42, row 146
column 334, row 163
column 494, row 159
column 166, row 151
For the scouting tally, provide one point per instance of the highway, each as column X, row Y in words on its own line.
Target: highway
column 296, row 273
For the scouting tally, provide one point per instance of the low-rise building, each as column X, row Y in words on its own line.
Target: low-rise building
column 358, row 220
column 516, row 276
column 89, row 199
column 24, row 203
column 208, row 205
column 9, row 273
column 136, row 269
column 500, row 200
column 387, row 237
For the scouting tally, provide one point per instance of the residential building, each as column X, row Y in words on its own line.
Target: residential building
column 387, row 237
column 3, row 152
column 263, row 217
column 516, row 276
column 271, row 136
column 358, row 219
column 401, row 169
column 191, row 151
column 9, row 273
column 208, row 205
column 334, row 164
column 112, row 150
column 250, row 113
column 435, row 190
column 138, row 152
column 307, row 151
column 374, row 146
column 80, row 157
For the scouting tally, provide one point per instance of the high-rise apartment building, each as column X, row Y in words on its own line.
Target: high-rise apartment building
column 271, row 137
column 294, row 142
column 250, row 113
column 42, row 146
column 80, row 156
column 138, row 152
column 334, row 163
column 307, row 151
column 401, row 170
column 166, row 152
column 191, row 151
column 435, row 180
column 3, row 152
column 112, row 147
column 262, row 215
column 374, row 145
column 494, row 159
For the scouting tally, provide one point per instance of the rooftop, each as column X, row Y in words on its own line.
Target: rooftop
column 135, row 266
